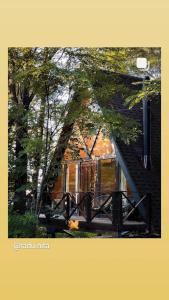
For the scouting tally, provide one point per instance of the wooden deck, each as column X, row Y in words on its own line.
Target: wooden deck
column 96, row 224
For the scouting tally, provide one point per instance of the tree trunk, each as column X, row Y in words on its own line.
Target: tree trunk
column 38, row 156
column 55, row 164
column 21, row 158
column 20, row 169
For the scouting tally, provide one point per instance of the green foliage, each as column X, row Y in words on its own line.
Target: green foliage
column 22, row 225
column 23, row 187
column 41, row 232
column 32, row 146
column 120, row 126
column 150, row 90
column 84, row 234
column 39, row 78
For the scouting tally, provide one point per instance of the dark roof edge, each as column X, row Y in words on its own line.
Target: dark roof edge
column 128, row 176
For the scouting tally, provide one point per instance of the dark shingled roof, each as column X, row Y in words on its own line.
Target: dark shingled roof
column 146, row 181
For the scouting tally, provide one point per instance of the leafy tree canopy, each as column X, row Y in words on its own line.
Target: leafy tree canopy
column 52, row 91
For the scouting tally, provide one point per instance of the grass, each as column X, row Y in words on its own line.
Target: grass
column 77, row 234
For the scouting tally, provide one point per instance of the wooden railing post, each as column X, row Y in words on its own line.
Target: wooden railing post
column 88, row 204
column 116, row 213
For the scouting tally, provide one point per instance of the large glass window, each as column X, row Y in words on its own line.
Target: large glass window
column 87, row 176
column 59, row 185
column 71, row 177
column 98, row 176
column 107, row 175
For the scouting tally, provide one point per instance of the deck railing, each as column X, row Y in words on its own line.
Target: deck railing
column 116, row 206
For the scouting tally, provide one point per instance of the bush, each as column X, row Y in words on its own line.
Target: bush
column 41, row 232
column 22, row 225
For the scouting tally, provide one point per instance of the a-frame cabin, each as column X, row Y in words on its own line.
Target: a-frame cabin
column 108, row 164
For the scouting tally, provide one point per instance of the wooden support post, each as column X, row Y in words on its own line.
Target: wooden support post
column 116, row 213
column 88, row 204
column 98, row 177
column 67, row 205
column 76, row 182
column 149, row 217
column 64, row 177
column 67, row 178
column 117, row 175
